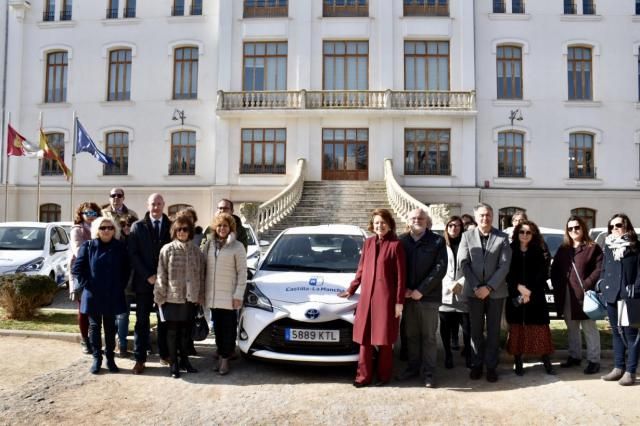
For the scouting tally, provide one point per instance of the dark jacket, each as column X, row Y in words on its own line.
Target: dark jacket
column 530, row 269
column 426, row 264
column 144, row 250
column 102, row 270
column 588, row 260
column 616, row 275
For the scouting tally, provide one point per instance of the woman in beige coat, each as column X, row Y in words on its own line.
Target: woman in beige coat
column 225, row 281
column 179, row 285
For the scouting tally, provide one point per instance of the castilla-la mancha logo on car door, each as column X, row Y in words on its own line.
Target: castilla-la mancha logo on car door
column 312, row 314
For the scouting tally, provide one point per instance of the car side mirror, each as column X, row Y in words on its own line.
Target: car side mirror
column 263, row 243
column 58, row 247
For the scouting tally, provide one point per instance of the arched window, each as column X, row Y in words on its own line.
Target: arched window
column 56, row 82
column 185, row 73
column 50, row 212
column 504, row 216
column 509, row 72
column 50, row 167
column 119, row 75
column 117, row 147
column 183, row 153
column 587, row 214
column 175, row 208
column 511, row 154
column 580, row 73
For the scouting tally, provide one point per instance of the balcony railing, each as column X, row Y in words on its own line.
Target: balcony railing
column 65, row 15
column 428, row 170
column 399, row 199
column 332, row 9
column 48, row 15
column 512, row 172
column 271, row 212
column 346, row 99
column 583, row 173
column 411, row 9
column 265, row 11
column 129, row 12
column 278, row 169
column 182, row 169
column 112, row 13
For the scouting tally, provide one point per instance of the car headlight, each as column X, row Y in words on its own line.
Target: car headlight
column 34, row 265
column 256, row 299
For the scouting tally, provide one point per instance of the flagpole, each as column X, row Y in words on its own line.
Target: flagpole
column 73, row 161
column 39, row 172
column 6, row 179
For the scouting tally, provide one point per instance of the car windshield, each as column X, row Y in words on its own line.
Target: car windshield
column 315, row 253
column 554, row 241
column 21, row 238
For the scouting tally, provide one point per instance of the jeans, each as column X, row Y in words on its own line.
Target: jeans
column 95, row 324
column 144, row 305
column 122, row 324
column 625, row 340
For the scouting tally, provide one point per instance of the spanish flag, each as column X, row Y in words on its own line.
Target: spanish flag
column 51, row 153
column 19, row 146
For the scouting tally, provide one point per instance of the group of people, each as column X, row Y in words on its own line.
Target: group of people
column 154, row 261
column 411, row 282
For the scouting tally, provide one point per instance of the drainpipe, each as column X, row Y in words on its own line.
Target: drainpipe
column 4, row 93
column 475, row 84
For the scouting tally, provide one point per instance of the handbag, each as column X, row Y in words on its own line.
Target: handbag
column 592, row 306
column 629, row 311
column 200, row 329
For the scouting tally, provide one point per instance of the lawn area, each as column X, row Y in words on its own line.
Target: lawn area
column 559, row 334
column 47, row 320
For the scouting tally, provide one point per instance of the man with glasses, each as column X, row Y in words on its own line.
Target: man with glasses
column 226, row 206
column 116, row 208
column 484, row 256
column 426, row 263
column 147, row 237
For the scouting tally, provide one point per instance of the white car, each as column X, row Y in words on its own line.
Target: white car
column 292, row 311
column 34, row 248
column 254, row 247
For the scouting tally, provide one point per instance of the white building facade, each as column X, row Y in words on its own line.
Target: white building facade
column 341, row 84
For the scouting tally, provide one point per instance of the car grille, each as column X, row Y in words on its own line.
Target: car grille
column 272, row 339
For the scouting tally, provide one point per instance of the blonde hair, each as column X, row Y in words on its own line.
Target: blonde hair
column 96, row 224
column 223, row 218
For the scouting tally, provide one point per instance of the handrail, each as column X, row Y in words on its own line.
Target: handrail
column 274, row 210
column 401, row 202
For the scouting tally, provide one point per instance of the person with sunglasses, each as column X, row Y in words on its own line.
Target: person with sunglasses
column 526, row 310
column 116, row 208
column 575, row 269
column 80, row 232
column 102, row 268
column 179, row 286
column 122, row 320
column 620, row 281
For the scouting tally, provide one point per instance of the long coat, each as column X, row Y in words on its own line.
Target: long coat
column 530, row 269
column 381, row 273
column 225, row 273
column 618, row 275
column 588, row 260
column 103, row 271
column 144, row 250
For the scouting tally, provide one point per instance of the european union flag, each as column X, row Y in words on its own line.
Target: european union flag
column 84, row 143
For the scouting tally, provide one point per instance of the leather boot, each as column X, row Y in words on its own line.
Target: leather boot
column 97, row 364
column 518, row 367
column 174, row 371
column 548, row 367
column 111, row 365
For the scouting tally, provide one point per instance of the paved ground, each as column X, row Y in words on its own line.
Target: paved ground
column 47, row 382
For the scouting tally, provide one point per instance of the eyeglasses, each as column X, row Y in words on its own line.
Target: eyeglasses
column 125, row 225
column 116, row 195
column 183, row 229
column 90, row 213
column 453, row 225
column 525, row 232
column 107, row 228
column 616, row 225
column 574, row 228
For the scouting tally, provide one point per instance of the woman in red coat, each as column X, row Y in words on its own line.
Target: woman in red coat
column 381, row 272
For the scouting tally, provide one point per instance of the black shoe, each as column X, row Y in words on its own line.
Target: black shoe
column 85, row 344
column 429, row 382
column 476, row 373
column 592, row 368
column 518, row 368
column 548, row 367
column 360, row 385
column 407, row 374
column 381, row 383
column 111, row 365
column 492, row 375
column 95, row 367
column 174, row 371
column 186, row 366
column 570, row 362
column 448, row 362
column 192, row 351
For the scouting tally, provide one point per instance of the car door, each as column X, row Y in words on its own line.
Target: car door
column 58, row 252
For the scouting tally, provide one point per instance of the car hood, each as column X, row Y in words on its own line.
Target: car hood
column 302, row 287
column 11, row 259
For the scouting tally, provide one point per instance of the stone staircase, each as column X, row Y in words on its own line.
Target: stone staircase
column 343, row 202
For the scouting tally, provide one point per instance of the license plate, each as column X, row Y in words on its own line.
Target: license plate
column 549, row 298
column 306, row 335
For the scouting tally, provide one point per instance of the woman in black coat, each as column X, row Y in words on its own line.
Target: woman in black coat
column 102, row 268
column 620, row 281
column 526, row 311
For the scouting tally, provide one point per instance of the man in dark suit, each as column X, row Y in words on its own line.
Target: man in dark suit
column 147, row 237
column 484, row 257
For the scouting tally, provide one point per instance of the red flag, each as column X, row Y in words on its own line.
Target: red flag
column 14, row 142
column 51, row 153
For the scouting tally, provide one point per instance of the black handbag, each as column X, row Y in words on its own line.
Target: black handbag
column 200, row 329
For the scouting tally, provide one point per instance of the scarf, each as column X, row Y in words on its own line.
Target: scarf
column 617, row 245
